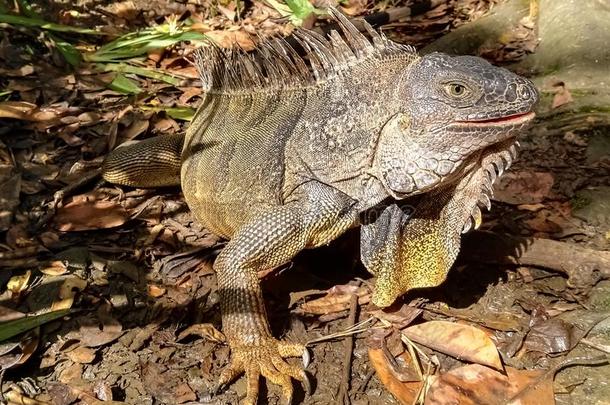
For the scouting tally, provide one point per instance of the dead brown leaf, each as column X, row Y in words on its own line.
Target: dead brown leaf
column 475, row 384
column 354, row 7
column 551, row 336
column 17, row 284
column 87, row 212
column 81, row 355
column 228, row 39
column 67, row 292
column 400, row 318
column 524, row 187
column 97, row 331
column 204, row 330
column 464, row 342
column 337, row 299
column 404, row 392
column 55, row 268
column 562, row 95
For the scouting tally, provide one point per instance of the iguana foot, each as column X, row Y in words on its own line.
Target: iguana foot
column 267, row 359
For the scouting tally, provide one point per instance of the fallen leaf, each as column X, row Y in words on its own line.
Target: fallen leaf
column 551, row 336
column 17, row 284
column 81, row 355
column 337, row 299
column 18, row 351
column 562, row 95
column 97, row 331
column 404, row 392
column 464, row 342
column 204, row 330
column 229, row 39
column 524, row 187
column 354, row 7
column 475, row 384
column 67, row 292
column 55, row 268
column 184, row 393
column 156, row 291
column 8, row 314
column 400, row 318
column 86, row 212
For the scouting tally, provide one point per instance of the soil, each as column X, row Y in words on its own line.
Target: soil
column 136, row 267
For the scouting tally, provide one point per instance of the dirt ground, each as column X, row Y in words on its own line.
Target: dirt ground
column 134, row 269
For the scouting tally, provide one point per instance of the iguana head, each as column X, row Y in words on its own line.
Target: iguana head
column 440, row 156
column 453, row 108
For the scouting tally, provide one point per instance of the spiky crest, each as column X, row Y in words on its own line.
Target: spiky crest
column 276, row 65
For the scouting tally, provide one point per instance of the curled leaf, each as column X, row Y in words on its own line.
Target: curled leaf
column 461, row 341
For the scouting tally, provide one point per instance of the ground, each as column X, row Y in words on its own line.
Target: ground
column 132, row 270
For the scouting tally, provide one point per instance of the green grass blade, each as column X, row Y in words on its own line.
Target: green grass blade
column 153, row 74
column 67, row 50
column 137, row 44
column 178, row 113
column 17, row 326
column 45, row 25
column 124, row 85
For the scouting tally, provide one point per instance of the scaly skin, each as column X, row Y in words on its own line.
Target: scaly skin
column 285, row 155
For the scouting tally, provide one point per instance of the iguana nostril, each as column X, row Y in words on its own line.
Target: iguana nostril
column 511, row 93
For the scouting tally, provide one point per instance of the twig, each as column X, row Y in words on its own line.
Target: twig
column 578, row 263
column 357, row 328
column 576, row 361
column 598, row 346
column 343, row 395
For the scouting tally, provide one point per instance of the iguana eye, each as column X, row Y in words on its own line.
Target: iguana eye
column 456, row 90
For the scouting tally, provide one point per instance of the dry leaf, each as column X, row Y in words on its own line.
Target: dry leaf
column 464, row 342
column 354, row 7
column 204, row 330
column 67, row 291
column 562, row 95
column 337, row 299
column 55, row 268
column 228, row 39
column 17, row 284
column 400, row 318
column 85, row 213
column 524, row 187
column 8, row 314
column 81, row 355
column 94, row 332
column 474, row 384
column 404, row 392
column 156, row 291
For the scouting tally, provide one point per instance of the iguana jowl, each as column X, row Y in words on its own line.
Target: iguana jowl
column 287, row 153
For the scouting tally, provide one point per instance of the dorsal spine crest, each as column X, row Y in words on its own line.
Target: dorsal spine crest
column 276, row 65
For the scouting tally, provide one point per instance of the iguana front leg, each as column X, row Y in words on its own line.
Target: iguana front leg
column 317, row 215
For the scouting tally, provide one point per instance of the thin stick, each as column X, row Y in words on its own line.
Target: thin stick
column 343, row 396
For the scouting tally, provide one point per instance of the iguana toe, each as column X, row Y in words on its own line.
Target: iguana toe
column 266, row 359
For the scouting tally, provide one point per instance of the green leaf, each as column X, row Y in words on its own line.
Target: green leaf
column 301, row 8
column 45, row 25
column 153, row 74
column 17, row 326
column 124, row 85
column 136, row 44
column 178, row 113
column 67, row 50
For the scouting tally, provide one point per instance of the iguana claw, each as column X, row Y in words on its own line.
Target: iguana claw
column 266, row 359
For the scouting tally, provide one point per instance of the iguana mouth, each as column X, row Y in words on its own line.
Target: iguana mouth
column 510, row 120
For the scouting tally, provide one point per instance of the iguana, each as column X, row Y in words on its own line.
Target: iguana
column 295, row 144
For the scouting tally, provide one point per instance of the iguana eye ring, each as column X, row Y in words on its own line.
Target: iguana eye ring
column 456, row 90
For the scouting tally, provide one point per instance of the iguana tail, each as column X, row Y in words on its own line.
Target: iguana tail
column 153, row 162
